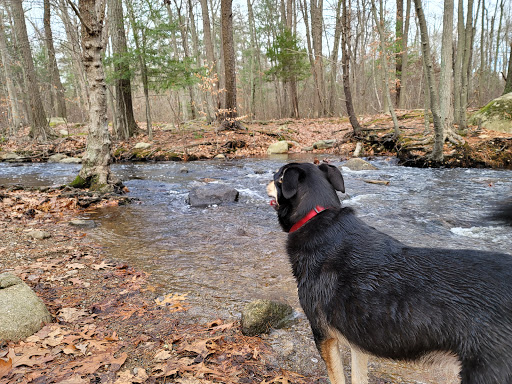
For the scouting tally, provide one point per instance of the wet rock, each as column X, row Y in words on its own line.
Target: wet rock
column 56, row 158
column 212, row 194
column 184, row 170
column 64, row 132
column 142, row 145
column 260, row 316
column 83, row 223
column 22, row 313
column 10, row 156
column 39, row 235
column 71, row 160
column 357, row 164
column 278, row 147
column 324, row 144
column 220, row 156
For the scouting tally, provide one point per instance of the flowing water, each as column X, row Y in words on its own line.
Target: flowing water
column 225, row 256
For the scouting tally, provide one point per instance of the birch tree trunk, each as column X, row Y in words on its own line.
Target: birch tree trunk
column 125, row 119
column 39, row 128
column 95, row 173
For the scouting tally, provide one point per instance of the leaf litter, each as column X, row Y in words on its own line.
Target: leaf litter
column 107, row 326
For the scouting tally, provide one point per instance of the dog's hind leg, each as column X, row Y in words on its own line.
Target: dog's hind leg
column 359, row 366
column 330, row 352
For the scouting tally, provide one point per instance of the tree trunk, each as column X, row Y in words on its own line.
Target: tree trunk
column 210, row 53
column 95, row 173
column 399, row 43
column 380, row 27
column 434, row 101
column 125, row 119
column 16, row 118
column 334, row 60
column 73, row 39
column 466, row 62
column 404, row 60
column 318, row 65
column 59, row 106
column 228, row 117
column 39, row 128
column 508, row 83
column 459, row 55
column 345, row 62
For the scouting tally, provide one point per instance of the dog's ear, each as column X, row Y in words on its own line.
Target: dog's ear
column 290, row 182
column 334, row 176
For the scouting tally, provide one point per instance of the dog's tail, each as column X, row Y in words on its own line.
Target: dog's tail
column 503, row 212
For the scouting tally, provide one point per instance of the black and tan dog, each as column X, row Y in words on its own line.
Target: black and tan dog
column 362, row 287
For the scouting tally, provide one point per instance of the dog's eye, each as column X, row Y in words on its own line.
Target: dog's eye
column 280, row 181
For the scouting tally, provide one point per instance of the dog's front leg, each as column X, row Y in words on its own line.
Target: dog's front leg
column 330, row 352
column 359, row 366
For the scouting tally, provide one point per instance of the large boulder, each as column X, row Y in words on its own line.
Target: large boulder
column 57, row 158
column 211, row 194
column 324, row 144
column 357, row 164
column 22, row 313
column 496, row 116
column 10, row 156
column 260, row 316
column 278, row 147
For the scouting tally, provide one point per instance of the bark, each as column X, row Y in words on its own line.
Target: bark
column 39, row 128
column 345, row 60
column 399, row 43
column 458, row 62
column 95, row 173
column 318, row 66
column 59, row 107
column 508, row 83
column 498, row 34
column 380, row 27
column 16, row 117
column 124, row 117
column 434, row 101
column 334, row 60
column 140, row 45
column 210, row 53
column 73, row 39
column 468, row 44
column 228, row 117
column 404, row 60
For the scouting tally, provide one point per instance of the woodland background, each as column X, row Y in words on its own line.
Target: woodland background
column 292, row 58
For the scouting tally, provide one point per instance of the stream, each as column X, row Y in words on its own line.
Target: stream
column 225, row 256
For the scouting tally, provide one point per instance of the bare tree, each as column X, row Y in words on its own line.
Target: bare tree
column 59, row 107
column 437, row 154
column 95, row 173
column 345, row 62
column 228, row 116
column 39, row 128
column 16, row 116
column 318, row 65
column 508, row 80
column 379, row 22
column 125, row 120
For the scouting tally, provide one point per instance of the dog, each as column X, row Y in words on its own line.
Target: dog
column 364, row 288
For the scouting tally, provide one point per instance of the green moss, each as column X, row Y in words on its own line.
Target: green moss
column 79, row 183
column 119, row 151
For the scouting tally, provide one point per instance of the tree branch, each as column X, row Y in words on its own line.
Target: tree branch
column 77, row 12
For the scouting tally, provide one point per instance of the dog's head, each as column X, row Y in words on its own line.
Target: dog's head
column 298, row 188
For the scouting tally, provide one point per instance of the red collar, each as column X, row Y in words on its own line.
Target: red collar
column 315, row 211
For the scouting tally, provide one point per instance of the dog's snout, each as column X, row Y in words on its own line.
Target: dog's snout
column 271, row 190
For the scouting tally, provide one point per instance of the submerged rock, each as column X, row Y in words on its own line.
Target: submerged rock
column 324, row 144
column 260, row 316
column 212, row 194
column 39, row 235
column 83, row 223
column 22, row 312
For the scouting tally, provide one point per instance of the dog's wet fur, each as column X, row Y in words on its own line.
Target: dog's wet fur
column 360, row 286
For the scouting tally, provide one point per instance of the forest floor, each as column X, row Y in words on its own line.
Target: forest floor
column 197, row 140
column 107, row 325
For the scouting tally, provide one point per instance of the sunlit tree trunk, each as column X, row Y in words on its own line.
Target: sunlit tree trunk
column 39, row 128
column 508, row 83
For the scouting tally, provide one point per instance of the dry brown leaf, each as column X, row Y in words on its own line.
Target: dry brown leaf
column 162, row 355
column 126, row 377
column 5, row 367
column 71, row 314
